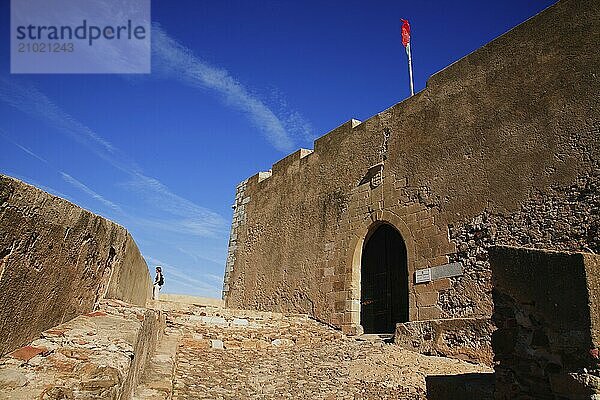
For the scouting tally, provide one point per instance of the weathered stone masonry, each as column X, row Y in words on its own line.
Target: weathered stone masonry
column 58, row 261
column 547, row 313
column 239, row 219
column 501, row 147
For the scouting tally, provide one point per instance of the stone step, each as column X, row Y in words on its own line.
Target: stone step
column 376, row 337
column 157, row 382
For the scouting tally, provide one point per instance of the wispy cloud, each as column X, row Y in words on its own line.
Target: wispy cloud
column 186, row 216
column 197, row 257
column 173, row 60
column 31, row 153
column 66, row 177
column 79, row 185
column 23, row 148
column 191, row 218
column 299, row 126
column 27, row 98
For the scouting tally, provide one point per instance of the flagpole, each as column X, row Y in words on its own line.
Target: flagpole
column 410, row 71
column 405, row 30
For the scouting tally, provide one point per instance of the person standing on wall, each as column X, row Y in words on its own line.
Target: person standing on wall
column 159, row 281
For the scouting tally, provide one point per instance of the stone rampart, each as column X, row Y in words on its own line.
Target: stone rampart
column 57, row 261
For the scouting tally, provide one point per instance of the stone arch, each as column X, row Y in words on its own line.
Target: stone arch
column 353, row 261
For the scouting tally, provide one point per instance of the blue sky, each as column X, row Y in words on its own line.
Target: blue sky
column 235, row 86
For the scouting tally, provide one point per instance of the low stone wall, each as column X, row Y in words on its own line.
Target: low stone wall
column 99, row 355
column 546, row 308
column 467, row 339
column 148, row 336
column 57, row 261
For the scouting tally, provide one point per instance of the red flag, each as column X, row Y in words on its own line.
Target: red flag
column 405, row 32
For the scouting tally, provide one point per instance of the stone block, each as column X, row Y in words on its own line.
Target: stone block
column 427, row 299
column 429, row 312
column 353, row 305
column 442, row 284
column 239, row 322
column 410, row 219
column 400, row 183
column 352, row 330
column 28, row 352
column 425, row 287
column 283, row 343
column 413, row 313
column 545, row 305
column 463, row 338
column 438, row 240
column 474, row 386
column 439, row 260
column 214, row 320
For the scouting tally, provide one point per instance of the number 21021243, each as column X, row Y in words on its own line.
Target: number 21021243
column 42, row 47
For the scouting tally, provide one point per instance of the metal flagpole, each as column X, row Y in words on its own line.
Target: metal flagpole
column 410, row 71
column 405, row 30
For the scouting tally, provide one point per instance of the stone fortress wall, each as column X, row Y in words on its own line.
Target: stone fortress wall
column 500, row 148
column 58, row 261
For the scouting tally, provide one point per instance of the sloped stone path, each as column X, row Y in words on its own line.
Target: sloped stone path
column 211, row 353
column 237, row 354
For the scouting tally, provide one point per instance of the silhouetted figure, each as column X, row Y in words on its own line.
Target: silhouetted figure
column 159, row 281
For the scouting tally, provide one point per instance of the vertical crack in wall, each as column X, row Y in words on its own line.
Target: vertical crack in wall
column 106, row 275
column 239, row 219
column 383, row 154
column 384, row 146
column 4, row 256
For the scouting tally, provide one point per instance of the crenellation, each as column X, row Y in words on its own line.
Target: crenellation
column 305, row 153
column 264, row 175
column 288, row 164
column 325, row 142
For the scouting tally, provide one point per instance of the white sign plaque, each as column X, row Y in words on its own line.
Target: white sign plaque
column 423, row 275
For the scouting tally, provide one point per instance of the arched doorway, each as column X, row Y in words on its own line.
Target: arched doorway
column 384, row 281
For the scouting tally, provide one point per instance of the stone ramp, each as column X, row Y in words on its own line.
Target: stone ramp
column 242, row 354
column 120, row 352
column 99, row 355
